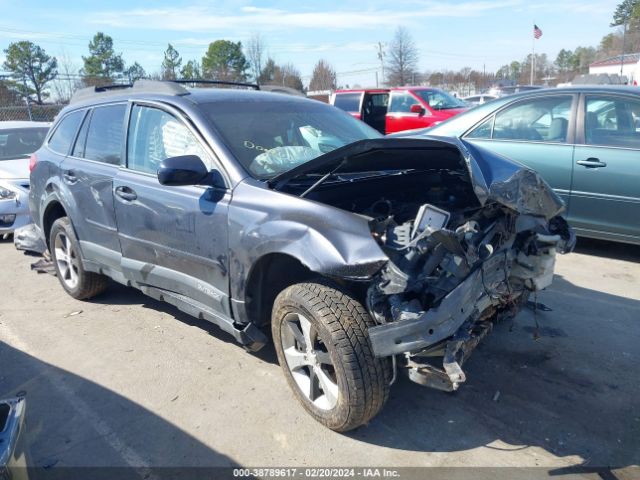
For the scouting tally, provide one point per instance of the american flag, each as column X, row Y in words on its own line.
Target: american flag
column 537, row 33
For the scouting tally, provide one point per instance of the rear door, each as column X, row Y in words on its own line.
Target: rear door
column 171, row 238
column 537, row 132
column 88, row 174
column 605, row 197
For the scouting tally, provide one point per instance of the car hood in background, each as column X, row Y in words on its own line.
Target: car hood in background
column 494, row 178
column 12, row 169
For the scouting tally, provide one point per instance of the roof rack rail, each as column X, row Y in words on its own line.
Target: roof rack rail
column 168, row 87
column 218, row 82
column 139, row 86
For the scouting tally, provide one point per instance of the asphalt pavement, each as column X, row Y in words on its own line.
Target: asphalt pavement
column 124, row 380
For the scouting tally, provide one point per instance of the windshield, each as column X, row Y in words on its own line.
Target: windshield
column 269, row 136
column 20, row 142
column 439, row 100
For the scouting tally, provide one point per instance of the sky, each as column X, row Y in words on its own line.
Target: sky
column 449, row 35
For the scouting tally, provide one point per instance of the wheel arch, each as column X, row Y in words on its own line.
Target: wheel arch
column 53, row 211
column 269, row 275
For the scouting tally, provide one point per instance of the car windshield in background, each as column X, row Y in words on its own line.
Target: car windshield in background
column 440, row 100
column 20, row 142
column 272, row 136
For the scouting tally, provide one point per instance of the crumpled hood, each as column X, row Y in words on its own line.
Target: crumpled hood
column 494, row 178
column 12, row 169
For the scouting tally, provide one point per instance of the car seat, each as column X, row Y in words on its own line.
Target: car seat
column 558, row 130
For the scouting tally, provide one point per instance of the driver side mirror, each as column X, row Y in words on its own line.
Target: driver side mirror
column 417, row 108
column 187, row 170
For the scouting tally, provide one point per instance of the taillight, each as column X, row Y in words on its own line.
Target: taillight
column 32, row 162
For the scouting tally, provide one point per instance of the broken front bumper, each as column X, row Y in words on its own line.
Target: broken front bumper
column 465, row 316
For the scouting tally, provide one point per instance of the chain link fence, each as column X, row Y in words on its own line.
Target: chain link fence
column 36, row 113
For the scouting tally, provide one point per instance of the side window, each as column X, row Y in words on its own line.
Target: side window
column 401, row 102
column 541, row 119
column 62, row 138
column 349, row 102
column 612, row 121
column 155, row 135
column 105, row 134
column 78, row 148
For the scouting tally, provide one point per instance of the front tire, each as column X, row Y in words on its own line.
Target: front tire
column 320, row 335
column 67, row 259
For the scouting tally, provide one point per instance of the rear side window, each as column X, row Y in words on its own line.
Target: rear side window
column 65, row 133
column 105, row 134
column 349, row 102
column 612, row 122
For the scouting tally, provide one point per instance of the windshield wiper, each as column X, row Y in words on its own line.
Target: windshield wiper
column 322, row 179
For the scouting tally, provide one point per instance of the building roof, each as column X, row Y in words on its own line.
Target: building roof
column 628, row 58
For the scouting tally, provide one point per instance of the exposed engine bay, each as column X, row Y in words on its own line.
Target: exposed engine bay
column 466, row 247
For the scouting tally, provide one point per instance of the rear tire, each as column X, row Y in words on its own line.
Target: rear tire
column 67, row 259
column 320, row 335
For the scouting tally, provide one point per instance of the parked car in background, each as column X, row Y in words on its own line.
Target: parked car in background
column 379, row 256
column 511, row 89
column 398, row 109
column 584, row 141
column 479, row 99
column 18, row 140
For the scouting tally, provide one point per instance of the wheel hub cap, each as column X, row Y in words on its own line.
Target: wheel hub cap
column 309, row 361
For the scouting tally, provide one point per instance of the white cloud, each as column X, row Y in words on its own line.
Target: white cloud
column 205, row 19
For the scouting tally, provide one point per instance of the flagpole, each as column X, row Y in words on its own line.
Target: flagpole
column 533, row 54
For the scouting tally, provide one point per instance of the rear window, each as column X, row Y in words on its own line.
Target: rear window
column 65, row 133
column 349, row 102
column 20, row 142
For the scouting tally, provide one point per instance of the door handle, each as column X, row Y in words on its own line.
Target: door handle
column 69, row 176
column 592, row 163
column 126, row 193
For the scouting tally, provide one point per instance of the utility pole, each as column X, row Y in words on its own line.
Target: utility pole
column 381, row 55
column 624, row 35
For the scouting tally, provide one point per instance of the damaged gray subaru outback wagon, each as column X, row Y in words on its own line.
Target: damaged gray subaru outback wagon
column 366, row 256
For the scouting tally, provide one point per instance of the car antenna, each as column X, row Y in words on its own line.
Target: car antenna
column 323, row 178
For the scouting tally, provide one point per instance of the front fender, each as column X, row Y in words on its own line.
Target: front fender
column 325, row 239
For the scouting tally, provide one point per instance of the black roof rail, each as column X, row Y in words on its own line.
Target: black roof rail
column 168, row 87
column 139, row 86
column 218, row 82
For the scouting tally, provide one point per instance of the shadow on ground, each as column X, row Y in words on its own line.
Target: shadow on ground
column 95, row 427
column 603, row 248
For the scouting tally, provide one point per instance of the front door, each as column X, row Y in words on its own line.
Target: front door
column 537, row 132
column 171, row 238
column 399, row 115
column 605, row 197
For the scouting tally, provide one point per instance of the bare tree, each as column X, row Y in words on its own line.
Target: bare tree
column 402, row 59
column 255, row 54
column 324, row 77
column 67, row 81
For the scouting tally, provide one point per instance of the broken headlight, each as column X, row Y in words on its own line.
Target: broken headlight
column 7, row 194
